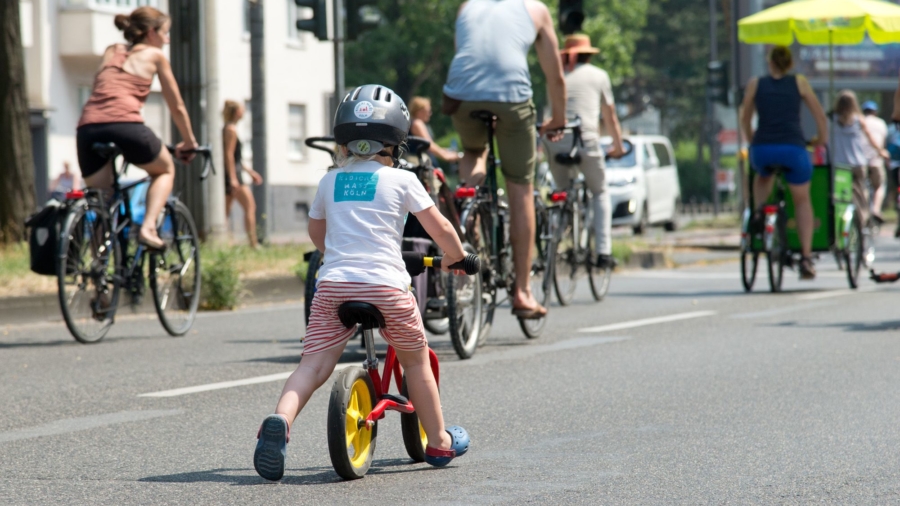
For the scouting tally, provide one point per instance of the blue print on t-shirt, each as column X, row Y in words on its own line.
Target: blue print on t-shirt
column 355, row 186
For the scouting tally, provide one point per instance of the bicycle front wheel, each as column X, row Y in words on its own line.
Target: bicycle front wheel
column 465, row 309
column 853, row 252
column 86, row 273
column 175, row 272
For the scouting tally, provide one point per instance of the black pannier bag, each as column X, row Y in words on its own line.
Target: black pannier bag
column 43, row 241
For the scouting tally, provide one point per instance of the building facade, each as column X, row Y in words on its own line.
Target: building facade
column 65, row 39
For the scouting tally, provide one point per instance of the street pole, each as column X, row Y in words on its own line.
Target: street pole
column 338, row 52
column 258, row 106
column 216, row 201
column 711, row 110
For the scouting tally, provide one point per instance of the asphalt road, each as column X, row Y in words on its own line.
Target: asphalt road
column 678, row 389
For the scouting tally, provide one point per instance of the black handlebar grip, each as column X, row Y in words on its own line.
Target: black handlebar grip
column 470, row 265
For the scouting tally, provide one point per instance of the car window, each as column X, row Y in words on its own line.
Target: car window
column 648, row 156
column 627, row 161
column 662, row 154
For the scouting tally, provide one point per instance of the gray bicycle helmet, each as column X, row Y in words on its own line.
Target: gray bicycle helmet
column 369, row 118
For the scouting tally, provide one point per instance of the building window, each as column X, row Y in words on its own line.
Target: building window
column 296, row 131
column 294, row 35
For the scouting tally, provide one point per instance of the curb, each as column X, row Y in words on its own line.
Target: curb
column 32, row 308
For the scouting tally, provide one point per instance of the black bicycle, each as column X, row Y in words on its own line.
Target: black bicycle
column 484, row 220
column 99, row 256
column 574, row 237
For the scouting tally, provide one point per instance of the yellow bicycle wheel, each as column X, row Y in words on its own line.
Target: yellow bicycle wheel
column 350, row 443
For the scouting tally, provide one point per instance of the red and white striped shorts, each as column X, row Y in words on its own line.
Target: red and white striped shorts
column 403, row 324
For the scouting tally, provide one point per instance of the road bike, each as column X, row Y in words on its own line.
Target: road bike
column 100, row 255
column 484, row 222
column 574, row 239
column 360, row 395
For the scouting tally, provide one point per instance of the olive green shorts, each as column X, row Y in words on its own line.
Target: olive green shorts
column 515, row 133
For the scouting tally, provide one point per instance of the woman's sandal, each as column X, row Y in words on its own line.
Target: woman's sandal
column 807, row 268
column 458, row 448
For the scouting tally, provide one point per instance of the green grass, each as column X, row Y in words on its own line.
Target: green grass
column 729, row 220
column 622, row 252
column 14, row 262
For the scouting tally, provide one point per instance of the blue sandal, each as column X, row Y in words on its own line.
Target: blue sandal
column 458, row 448
column 271, row 447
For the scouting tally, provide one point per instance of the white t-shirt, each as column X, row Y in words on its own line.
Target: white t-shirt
column 587, row 88
column 364, row 206
column 878, row 130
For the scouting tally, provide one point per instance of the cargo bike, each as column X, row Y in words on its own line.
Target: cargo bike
column 770, row 232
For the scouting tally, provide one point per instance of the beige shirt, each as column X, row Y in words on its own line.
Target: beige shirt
column 587, row 87
column 878, row 130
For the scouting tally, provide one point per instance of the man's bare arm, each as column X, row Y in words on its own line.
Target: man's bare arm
column 547, row 47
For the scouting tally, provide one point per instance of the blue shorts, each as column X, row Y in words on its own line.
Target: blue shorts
column 793, row 157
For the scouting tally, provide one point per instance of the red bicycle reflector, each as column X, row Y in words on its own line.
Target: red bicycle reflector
column 558, row 197
column 465, row 192
column 74, row 195
column 438, row 173
column 770, row 209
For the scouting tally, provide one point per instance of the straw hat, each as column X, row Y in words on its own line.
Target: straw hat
column 578, row 43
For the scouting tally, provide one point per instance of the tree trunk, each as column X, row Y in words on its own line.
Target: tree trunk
column 16, row 161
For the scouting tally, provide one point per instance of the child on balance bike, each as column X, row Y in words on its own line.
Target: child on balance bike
column 356, row 220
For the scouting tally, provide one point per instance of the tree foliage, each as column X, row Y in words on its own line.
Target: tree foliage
column 16, row 163
column 411, row 50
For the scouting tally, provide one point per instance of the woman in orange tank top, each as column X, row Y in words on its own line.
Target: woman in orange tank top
column 113, row 113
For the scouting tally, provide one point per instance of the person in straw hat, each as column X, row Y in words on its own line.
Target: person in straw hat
column 590, row 97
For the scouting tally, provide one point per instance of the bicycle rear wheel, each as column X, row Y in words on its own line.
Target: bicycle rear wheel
column 312, row 273
column 175, row 272
column 541, row 269
column 86, row 273
column 598, row 278
column 565, row 269
column 777, row 255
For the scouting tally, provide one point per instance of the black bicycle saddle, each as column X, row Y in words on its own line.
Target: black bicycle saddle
column 483, row 115
column 362, row 313
column 105, row 149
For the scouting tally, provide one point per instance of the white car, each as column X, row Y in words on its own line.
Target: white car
column 643, row 185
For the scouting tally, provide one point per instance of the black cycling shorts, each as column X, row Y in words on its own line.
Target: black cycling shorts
column 138, row 143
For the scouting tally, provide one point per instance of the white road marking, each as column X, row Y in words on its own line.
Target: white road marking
column 228, row 384
column 526, row 351
column 680, row 274
column 648, row 321
column 85, row 423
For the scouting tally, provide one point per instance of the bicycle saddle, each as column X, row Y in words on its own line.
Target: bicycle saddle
column 417, row 145
column 363, row 313
column 483, row 115
column 106, row 149
column 568, row 158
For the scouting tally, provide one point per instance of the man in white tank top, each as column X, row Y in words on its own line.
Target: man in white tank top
column 490, row 72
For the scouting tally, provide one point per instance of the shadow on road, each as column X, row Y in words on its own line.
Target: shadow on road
column 247, row 476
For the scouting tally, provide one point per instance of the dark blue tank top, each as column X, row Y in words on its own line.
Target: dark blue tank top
column 778, row 106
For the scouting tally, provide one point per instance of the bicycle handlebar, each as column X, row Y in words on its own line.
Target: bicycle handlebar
column 312, row 142
column 204, row 151
column 417, row 262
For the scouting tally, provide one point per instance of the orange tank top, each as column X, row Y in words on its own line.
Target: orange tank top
column 117, row 96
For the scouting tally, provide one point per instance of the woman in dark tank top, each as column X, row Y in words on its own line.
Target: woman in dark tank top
column 237, row 176
column 778, row 140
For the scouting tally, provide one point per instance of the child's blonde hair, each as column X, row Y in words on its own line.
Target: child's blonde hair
column 846, row 106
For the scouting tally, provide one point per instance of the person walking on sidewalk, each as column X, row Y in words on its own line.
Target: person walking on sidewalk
column 490, row 72
column 590, row 97
column 238, row 176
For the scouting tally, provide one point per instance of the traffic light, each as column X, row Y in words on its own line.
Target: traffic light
column 318, row 23
column 571, row 16
column 362, row 15
column 717, row 81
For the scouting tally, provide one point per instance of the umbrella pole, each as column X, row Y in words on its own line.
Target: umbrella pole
column 830, row 90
